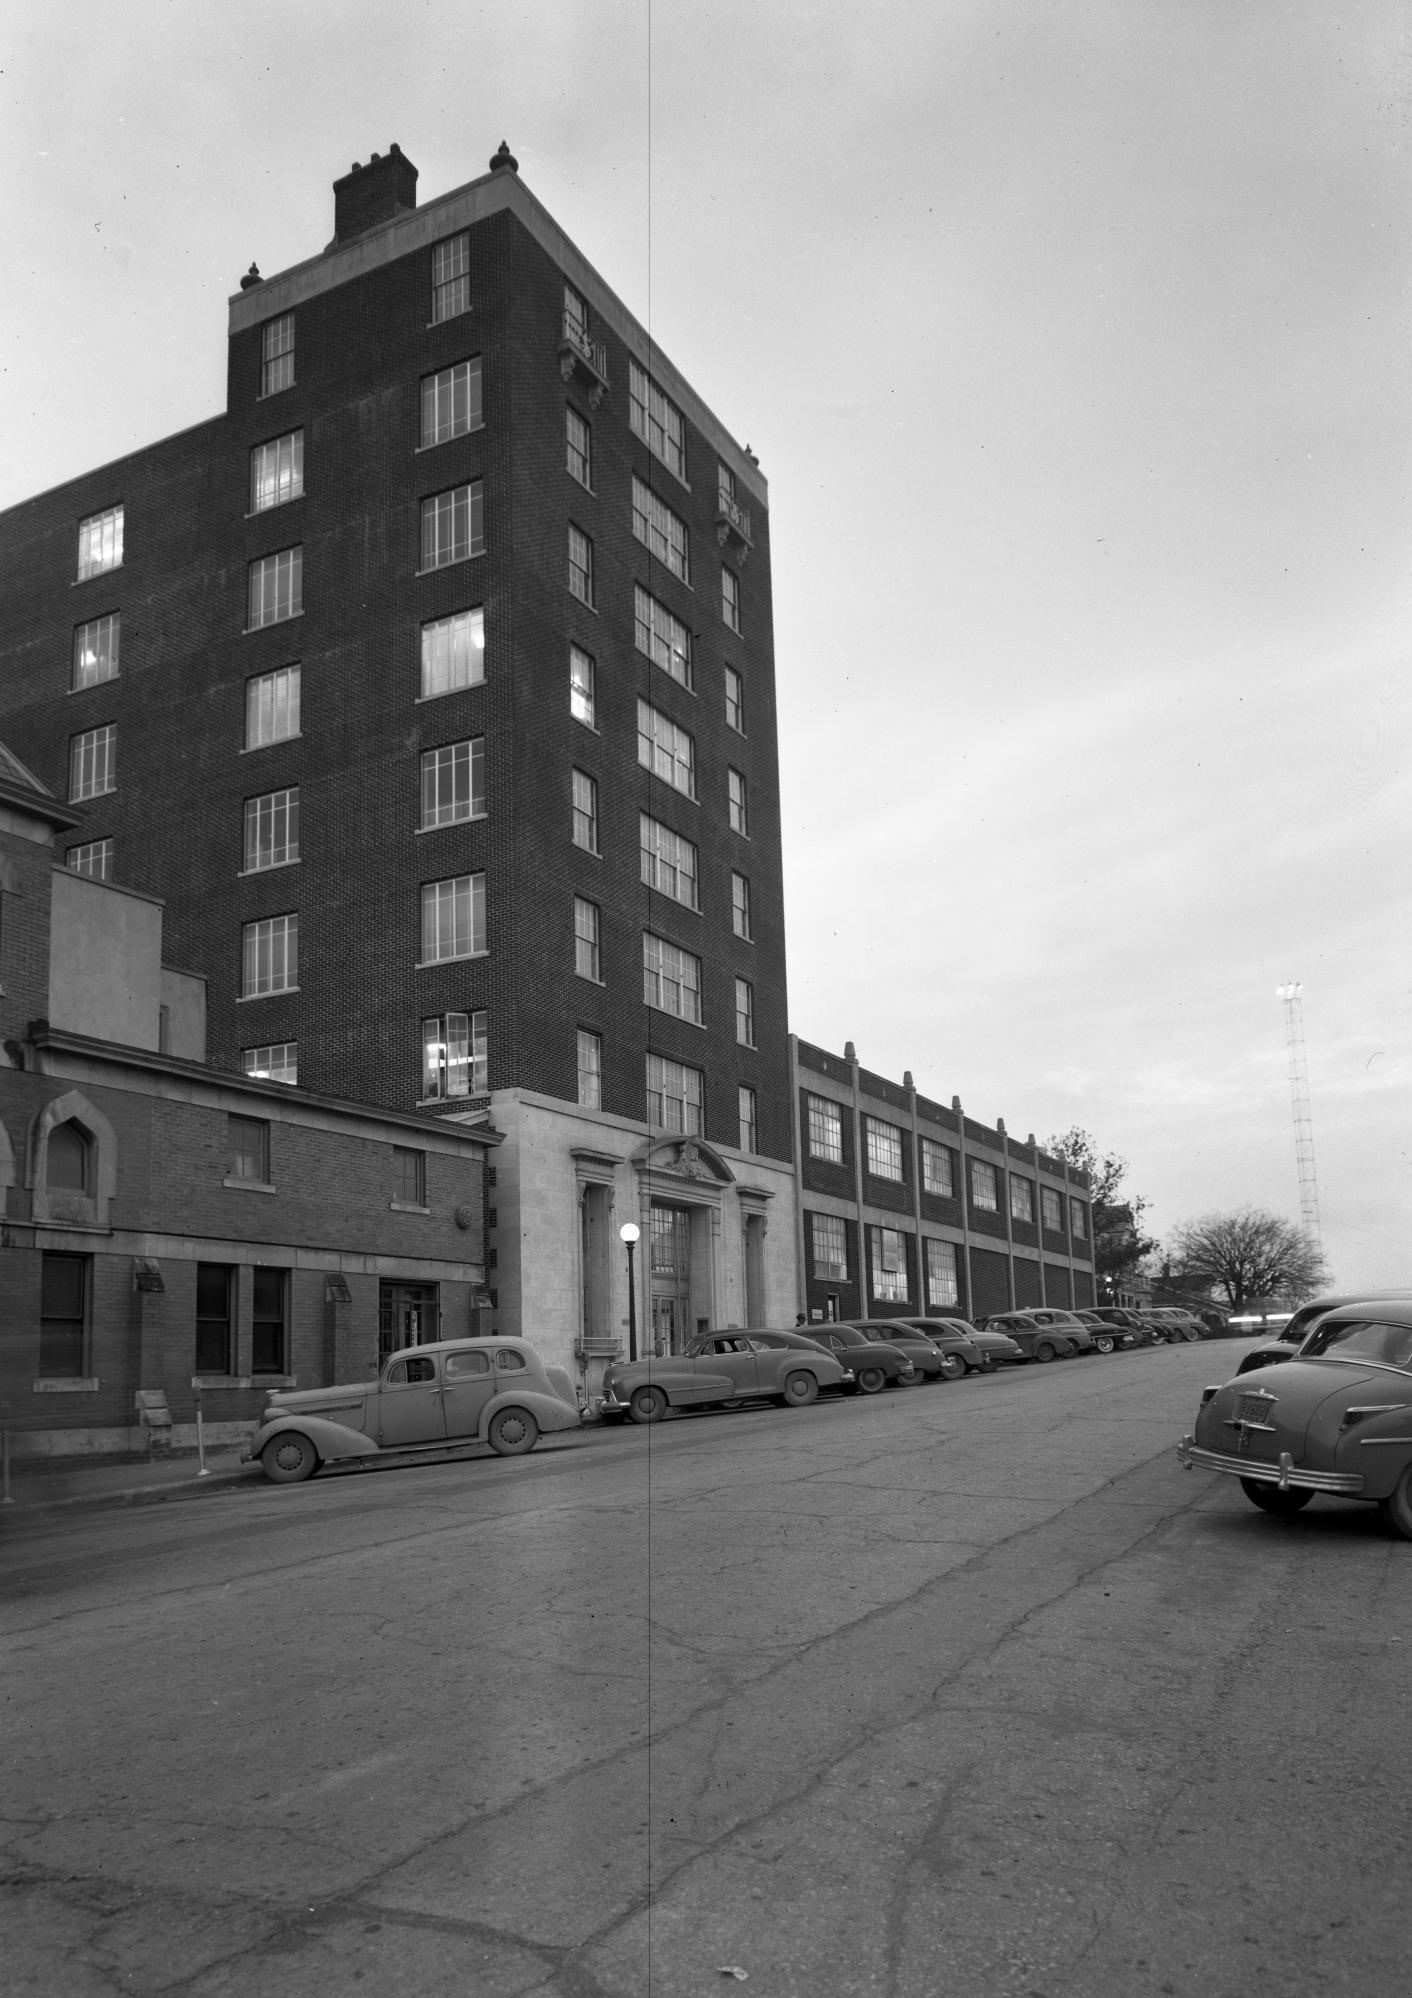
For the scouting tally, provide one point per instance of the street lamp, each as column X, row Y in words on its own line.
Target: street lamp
column 629, row 1233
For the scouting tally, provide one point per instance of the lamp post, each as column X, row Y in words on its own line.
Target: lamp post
column 629, row 1233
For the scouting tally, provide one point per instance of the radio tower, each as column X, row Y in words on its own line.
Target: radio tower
column 1292, row 996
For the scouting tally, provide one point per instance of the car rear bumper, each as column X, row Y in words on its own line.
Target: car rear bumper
column 1285, row 1473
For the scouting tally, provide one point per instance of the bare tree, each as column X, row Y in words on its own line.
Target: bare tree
column 1251, row 1253
column 1119, row 1244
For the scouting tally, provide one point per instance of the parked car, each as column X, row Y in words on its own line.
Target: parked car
column 1132, row 1321
column 956, row 1340
column 930, row 1361
column 1180, row 1324
column 1291, row 1335
column 1337, row 1418
column 995, row 1348
column 1066, row 1322
column 1036, row 1342
column 1107, row 1338
column 874, row 1366
column 720, row 1368
column 495, row 1391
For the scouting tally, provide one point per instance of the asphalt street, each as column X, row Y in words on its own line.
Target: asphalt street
column 968, row 1689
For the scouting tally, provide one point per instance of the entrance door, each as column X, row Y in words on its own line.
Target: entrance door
column 666, row 1336
column 670, row 1276
column 407, row 1316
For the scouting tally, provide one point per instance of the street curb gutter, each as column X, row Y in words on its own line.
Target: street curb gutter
column 195, row 1487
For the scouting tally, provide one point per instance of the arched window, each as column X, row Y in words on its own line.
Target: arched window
column 68, row 1159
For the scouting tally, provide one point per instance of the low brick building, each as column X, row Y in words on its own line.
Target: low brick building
column 169, row 1227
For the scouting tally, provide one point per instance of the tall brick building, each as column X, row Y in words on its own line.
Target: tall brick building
column 431, row 688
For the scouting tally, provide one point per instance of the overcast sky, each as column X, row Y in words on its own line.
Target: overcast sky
column 1073, row 340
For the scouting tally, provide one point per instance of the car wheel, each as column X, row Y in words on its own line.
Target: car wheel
column 1044, row 1351
column 1397, row 1510
column 647, row 1404
column 1102, row 1343
column 871, row 1380
column 800, row 1389
column 289, row 1458
column 1270, row 1498
column 512, row 1431
column 953, row 1367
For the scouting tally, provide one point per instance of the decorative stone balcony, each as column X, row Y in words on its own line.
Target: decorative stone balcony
column 733, row 523
column 584, row 357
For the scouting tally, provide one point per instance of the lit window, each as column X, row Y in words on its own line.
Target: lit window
column 97, row 646
column 582, row 702
column 1051, row 1213
column 94, row 857
column 249, row 1148
column 270, row 956
column 740, row 906
column 454, row 1056
column 825, row 1129
column 271, row 830
column 579, row 446
column 590, row 1063
column 277, row 1062
column 453, row 918
column 453, row 783
column 100, row 542
column 409, row 1177
column 656, row 420
column 884, row 1148
column 269, row 1342
column 730, row 598
column 1021, row 1199
column 673, row 1096
column 277, row 354
column 671, row 978
column 937, row 1175
column 1078, row 1225
column 93, row 763
column 745, row 1012
column 668, row 862
column 585, row 811
column 580, row 565
column 889, row 1259
column 453, row 526
column 451, row 402
column 983, row 1186
column 659, row 529
column 586, row 954
column 453, row 653
column 272, row 707
column 450, row 278
column 666, row 750
column 276, row 588
column 942, row 1285
column 748, row 1125
column 829, row 1246
column 735, row 701
column 735, row 785
column 277, row 472
column 664, row 638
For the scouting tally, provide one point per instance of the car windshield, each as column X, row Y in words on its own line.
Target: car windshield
column 1362, row 1339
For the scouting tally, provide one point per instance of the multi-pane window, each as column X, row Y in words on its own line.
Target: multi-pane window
column 740, row 906
column 269, row 956
column 272, row 707
column 248, row 1148
column 215, row 1299
column 454, row 1056
column 276, row 587
column 825, row 1129
column 587, row 959
column 578, row 444
column 453, row 918
column 889, row 1259
column 659, row 529
column 100, row 542
column 269, row 1332
column 669, row 863
column 278, row 1061
column 97, row 647
column 735, row 701
column 884, row 1143
column 829, row 1246
column 575, row 318
column 671, row 978
column 453, row 783
column 580, row 565
column 94, row 857
column 1078, row 1226
column 984, row 1192
column 730, row 598
column 93, row 763
column 749, row 1122
column 656, row 420
column 673, row 1096
column 583, row 703
column 590, row 1066
column 1051, row 1212
column 271, row 830
column 937, row 1174
column 277, row 471
column 450, row 277
column 942, row 1285
column 277, row 354
column 453, row 653
column 451, row 402
column 664, row 638
column 63, row 1316
column 585, row 811
column 1021, row 1198
column 666, row 750
column 453, row 525
column 745, row 1012
column 735, row 787
column 409, row 1176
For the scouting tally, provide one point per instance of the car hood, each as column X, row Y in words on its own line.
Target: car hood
column 1291, row 1406
column 337, row 1403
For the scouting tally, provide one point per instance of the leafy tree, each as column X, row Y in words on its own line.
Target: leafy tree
column 1248, row 1254
column 1119, row 1244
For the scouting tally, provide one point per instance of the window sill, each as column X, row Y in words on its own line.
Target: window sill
column 251, row 748
column 250, row 998
column 215, row 1382
column 436, row 1102
column 582, row 603
column 675, row 789
column 275, row 867
column 592, row 851
column 249, row 630
column 462, row 957
column 406, row 1207
column 259, row 512
column 600, row 982
column 447, row 825
column 89, row 685
column 582, row 484
column 89, row 796
column 473, row 431
column 700, row 1025
column 475, row 555
column 268, row 395
column 47, row 1386
column 450, row 318
column 250, row 1185
column 446, row 692
column 93, row 576
column 592, row 727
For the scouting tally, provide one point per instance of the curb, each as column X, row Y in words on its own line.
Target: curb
column 193, row 1488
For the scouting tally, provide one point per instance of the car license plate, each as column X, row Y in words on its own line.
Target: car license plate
column 1254, row 1408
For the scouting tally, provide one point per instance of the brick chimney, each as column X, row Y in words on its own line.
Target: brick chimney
column 373, row 193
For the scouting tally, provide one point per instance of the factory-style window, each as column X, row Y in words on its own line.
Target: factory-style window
column 93, row 763
column 451, row 402
column 271, row 830
column 453, row 783
column 825, row 1129
column 269, row 956
column 453, row 918
column 97, row 647
column 453, row 526
column 884, row 1148
column 453, row 653
column 938, row 1176
column 272, row 707
column 276, row 588
column 277, row 471
column 100, row 542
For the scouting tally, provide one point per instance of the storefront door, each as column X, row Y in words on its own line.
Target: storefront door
column 670, row 1265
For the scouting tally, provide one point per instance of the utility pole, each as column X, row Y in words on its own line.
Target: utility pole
column 1292, row 995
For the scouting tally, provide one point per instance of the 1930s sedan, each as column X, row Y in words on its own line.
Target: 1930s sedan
column 720, row 1368
column 1336, row 1419
column 495, row 1391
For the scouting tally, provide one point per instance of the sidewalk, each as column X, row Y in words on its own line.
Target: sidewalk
column 58, row 1484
